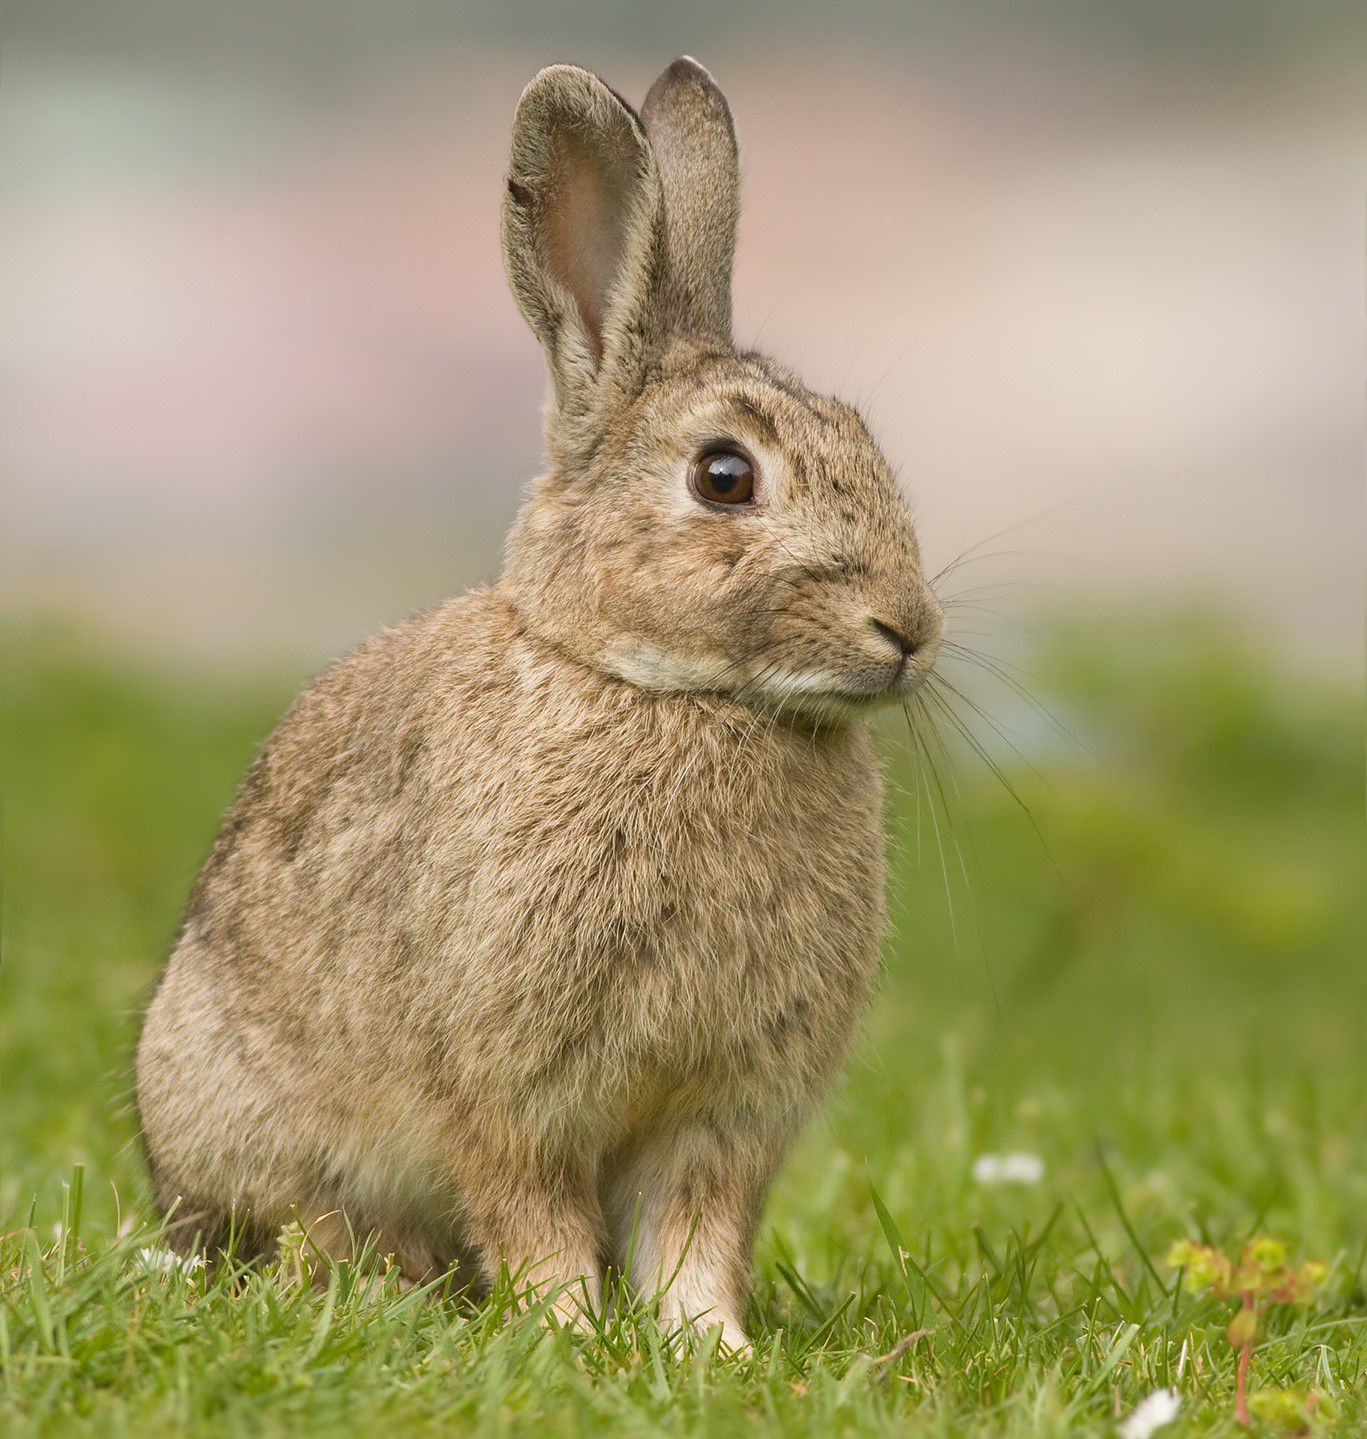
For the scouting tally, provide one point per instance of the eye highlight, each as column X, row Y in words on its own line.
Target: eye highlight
column 722, row 475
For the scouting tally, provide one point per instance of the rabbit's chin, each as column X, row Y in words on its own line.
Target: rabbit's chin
column 821, row 696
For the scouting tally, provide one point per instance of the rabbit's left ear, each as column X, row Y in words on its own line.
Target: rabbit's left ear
column 691, row 132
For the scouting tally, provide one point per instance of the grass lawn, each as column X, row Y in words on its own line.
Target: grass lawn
column 1164, row 1000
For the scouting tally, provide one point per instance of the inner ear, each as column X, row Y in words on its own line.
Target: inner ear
column 585, row 235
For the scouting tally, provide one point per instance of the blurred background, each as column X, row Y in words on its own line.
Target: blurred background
column 1094, row 272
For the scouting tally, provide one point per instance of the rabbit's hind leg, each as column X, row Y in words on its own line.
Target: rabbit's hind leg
column 197, row 1228
column 414, row 1256
column 333, row 1237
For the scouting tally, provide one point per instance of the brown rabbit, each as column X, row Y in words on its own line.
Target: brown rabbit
column 543, row 919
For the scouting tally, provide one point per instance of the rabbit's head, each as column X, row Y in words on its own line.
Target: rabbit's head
column 708, row 523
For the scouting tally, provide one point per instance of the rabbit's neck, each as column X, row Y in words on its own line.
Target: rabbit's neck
column 708, row 684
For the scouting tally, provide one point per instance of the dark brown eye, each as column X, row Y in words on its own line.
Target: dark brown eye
column 723, row 477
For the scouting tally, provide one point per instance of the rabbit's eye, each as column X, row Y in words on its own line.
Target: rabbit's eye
column 723, row 477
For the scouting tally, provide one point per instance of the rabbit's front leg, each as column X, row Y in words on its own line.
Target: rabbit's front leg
column 685, row 1205
column 539, row 1215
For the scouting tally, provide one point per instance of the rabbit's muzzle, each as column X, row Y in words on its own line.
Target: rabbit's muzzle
column 907, row 637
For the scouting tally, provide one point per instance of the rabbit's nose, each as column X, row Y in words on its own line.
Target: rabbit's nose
column 907, row 644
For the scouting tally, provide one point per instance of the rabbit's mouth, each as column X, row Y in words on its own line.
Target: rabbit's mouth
column 830, row 695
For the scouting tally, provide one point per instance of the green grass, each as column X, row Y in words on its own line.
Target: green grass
column 1168, row 1005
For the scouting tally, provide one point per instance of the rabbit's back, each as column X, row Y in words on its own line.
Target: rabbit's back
column 469, row 880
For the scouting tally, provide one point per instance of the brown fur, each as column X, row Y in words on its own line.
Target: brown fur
column 545, row 918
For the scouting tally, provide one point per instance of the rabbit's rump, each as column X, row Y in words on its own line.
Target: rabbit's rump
column 478, row 911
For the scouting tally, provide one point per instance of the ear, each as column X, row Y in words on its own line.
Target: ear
column 694, row 139
column 583, row 234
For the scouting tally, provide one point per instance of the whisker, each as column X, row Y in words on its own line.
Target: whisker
column 965, row 560
column 934, row 734
column 974, row 634
column 970, row 652
column 953, row 834
column 939, row 681
column 998, row 670
column 935, row 824
column 995, row 590
column 999, row 535
column 978, row 748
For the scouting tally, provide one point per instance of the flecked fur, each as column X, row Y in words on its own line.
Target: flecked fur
column 544, row 918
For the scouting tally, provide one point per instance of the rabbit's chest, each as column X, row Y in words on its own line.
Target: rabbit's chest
column 676, row 920
column 734, row 971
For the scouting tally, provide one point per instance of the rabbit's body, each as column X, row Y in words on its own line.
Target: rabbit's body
column 544, row 918
column 424, row 934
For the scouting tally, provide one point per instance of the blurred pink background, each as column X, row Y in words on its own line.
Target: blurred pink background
column 1094, row 276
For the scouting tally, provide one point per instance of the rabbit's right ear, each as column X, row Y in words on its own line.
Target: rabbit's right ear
column 583, row 235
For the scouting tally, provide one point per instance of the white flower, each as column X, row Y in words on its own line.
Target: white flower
column 1008, row 1169
column 162, row 1260
column 1151, row 1414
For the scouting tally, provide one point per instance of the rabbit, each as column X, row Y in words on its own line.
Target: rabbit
column 544, row 918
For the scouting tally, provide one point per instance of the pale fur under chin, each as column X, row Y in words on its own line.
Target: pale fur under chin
column 520, row 946
column 650, row 667
column 813, row 695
